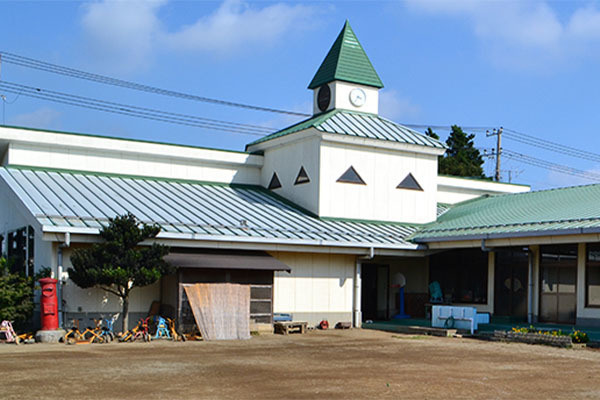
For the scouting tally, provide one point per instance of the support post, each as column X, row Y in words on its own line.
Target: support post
column 59, row 288
column 530, row 286
column 357, row 293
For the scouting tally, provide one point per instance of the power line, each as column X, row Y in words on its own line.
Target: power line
column 524, row 138
column 448, row 127
column 537, row 162
column 551, row 146
column 27, row 62
column 134, row 111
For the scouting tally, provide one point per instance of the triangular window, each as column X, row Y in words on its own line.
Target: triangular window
column 274, row 184
column 302, row 177
column 409, row 183
column 351, row 176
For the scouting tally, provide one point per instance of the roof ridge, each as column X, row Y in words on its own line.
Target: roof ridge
column 125, row 176
column 291, row 127
column 411, row 129
column 316, row 121
column 515, row 224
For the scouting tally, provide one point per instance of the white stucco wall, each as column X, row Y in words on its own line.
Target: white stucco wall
column 340, row 97
column 382, row 170
column 452, row 190
column 88, row 153
column 320, row 286
column 94, row 300
column 13, row 215
column 286, row 160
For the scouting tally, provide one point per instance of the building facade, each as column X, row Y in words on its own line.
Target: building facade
column 321, row 219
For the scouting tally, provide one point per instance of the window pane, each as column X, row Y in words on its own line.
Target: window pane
column 593, row 275
column 568, row 278
column 462, row 275
column 549, row 280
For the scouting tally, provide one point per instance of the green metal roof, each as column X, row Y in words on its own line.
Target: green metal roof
column 354, row 123
column 346, row 61
column 82, row 202
column 561, row 211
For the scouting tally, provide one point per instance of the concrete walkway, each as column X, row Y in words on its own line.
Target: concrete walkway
column 496, row 324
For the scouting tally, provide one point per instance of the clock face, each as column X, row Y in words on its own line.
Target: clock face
column 324, row 97
column 357, row 97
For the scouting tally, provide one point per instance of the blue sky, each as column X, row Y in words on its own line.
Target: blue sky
column 528, row 66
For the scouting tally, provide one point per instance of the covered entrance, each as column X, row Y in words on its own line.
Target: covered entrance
column 252, row 268
column 375, row 292
column 558, row 281
column 510, row 284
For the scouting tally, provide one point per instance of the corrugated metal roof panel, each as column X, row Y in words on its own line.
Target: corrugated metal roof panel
column 352, row 123
column 561, row 209
column 69, row 199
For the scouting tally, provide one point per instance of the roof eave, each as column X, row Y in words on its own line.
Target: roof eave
column 507, row 235
column 51, row 231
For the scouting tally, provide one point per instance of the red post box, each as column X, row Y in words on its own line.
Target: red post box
column 49, row 304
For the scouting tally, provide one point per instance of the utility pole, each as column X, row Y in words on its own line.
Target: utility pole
column 498, row 134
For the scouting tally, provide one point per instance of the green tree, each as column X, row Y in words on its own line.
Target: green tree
column 16, row 295
column 119, row 264
column 429, row 132
column 461, row 158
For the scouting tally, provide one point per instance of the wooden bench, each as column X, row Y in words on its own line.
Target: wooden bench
column 288, row 327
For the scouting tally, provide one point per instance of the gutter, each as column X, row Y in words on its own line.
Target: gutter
column 508, row 235
column 60, row 275
column 241, row 239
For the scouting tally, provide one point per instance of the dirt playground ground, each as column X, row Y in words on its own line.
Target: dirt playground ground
column 330, row 365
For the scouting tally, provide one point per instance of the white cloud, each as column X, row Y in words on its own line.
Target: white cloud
column 122, row 33
column 526, row 34
column 557, row 179
column 126, row 34
column 44, row 117
column 235, row 25
column 394, row 106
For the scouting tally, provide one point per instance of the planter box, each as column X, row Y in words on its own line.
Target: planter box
column 535, row 338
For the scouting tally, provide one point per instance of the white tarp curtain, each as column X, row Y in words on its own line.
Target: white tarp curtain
column 221, row 310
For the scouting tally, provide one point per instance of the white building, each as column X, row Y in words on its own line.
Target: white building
column 318, row 218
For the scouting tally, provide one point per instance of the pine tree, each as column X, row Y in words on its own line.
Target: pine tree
column 461, row 158
column 119, row 264
column 429, row 132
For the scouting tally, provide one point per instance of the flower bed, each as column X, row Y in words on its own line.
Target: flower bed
column 531, row 335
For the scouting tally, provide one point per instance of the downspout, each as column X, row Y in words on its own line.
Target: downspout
column 530, row 287
column 61, row 310
column 357, row 286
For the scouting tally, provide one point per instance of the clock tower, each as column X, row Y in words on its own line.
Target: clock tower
column 346, row 79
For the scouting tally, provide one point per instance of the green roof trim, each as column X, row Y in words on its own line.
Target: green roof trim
column 299, row 126
column 120, row 138
column 346, row 61
column 546, row 212
column 358, row 124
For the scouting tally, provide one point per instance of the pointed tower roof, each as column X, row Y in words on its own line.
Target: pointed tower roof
column 346, row 61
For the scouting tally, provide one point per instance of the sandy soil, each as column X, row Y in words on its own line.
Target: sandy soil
column 331, row 364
